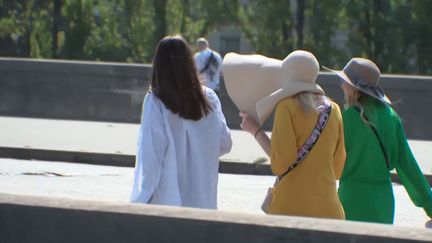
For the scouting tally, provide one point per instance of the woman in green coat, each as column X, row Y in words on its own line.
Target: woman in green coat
column 375, row 143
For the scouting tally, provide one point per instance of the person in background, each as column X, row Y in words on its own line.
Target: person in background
column 183, row 133
column 209, row 64
column 306, row 189
column 375, row 144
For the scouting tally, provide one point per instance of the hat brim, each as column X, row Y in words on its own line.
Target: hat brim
column 255, row 84
column 341, row 75
column 250, row 78
column 267, row 105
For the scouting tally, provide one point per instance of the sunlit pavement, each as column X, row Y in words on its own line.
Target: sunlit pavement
column 121, row 139
column 239, row 193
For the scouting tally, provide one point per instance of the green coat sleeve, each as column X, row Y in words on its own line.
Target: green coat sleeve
column 410, row 174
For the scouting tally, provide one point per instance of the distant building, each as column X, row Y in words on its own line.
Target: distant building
column 229, row 39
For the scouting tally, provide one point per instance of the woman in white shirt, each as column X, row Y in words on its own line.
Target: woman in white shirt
column 182, row 135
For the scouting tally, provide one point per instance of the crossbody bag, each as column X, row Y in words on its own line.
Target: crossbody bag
column 302, row 152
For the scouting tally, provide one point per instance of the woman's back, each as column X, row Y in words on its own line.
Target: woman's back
column 310, row 189
column 366, row 161
column 366, row 169
column 190, row 154
column 183, row 132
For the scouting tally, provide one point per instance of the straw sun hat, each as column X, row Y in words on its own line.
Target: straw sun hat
column 257, row 83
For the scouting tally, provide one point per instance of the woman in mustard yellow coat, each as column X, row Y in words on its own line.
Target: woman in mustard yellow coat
column 310, row 188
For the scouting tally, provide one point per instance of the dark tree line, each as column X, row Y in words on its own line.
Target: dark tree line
column 396, row 34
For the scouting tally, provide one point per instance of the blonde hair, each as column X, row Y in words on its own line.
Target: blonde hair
column 310, row 101
column 352, row 96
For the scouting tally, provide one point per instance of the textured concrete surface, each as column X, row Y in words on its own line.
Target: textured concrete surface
column 236, row 193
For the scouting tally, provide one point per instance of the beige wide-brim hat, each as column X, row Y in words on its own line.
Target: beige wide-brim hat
column 256, row 83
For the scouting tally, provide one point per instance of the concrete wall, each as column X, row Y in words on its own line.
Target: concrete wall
column 114, row 92
column 72, row 90
column 44, row 220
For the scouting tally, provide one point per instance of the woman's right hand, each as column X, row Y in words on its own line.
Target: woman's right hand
column 248, row 123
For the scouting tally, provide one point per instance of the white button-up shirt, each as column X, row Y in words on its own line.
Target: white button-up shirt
column 177, row 160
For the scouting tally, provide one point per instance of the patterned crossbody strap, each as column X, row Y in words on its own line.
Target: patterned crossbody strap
column 304, row 150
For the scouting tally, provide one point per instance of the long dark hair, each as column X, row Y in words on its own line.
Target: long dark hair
column 175, row 79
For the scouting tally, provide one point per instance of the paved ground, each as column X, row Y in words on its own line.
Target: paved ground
column 120, row 139
column 240, row 193
column 236, row 192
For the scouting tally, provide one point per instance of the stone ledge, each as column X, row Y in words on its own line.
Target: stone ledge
column 38, row 219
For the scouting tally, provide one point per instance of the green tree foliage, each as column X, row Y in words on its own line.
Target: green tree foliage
column 138, row 29
column 120, row 30
column 382, row 31
column 159, row 18
column 422, row 25
column 394, row 33
column 24, row 25
column 275, row 28
column 323, row 26
column 268, row 26
column 196, row 18
column 79, row 20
